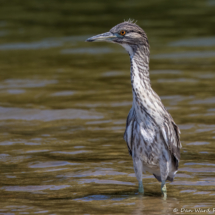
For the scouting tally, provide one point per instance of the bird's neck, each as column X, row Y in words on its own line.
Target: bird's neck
column 145, row 101
column 139, row 58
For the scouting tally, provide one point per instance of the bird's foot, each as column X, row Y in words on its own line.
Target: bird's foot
column 140, row 189
column 164, row 190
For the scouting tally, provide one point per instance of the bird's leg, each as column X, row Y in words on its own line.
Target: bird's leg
column 138, row 172
column 140, row 188
column 164, row 171
column 163, row 189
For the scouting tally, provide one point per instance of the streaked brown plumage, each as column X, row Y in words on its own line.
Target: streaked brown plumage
column 151, row 134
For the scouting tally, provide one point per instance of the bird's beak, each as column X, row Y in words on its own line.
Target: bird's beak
column 108, row 37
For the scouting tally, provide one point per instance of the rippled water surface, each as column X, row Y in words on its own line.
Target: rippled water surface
column 64, row 102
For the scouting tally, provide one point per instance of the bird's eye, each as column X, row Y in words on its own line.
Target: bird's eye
column 122, row 32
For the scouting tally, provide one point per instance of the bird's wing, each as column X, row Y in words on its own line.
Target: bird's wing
column 169, row 129
column 170, row 132
column 128, row 135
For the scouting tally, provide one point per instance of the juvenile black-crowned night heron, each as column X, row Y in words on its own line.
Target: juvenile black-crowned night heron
column 151, row 134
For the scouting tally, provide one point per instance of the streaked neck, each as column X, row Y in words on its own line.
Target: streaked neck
column 139, row 58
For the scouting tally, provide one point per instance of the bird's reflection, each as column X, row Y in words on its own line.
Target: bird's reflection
column 154, row 205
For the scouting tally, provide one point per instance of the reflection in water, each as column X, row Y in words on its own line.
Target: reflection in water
column 144, row 205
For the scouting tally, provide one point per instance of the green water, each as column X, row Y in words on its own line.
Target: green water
column 64, row 102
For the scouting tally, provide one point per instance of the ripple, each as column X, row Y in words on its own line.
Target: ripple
column 33, row 188
column 8, row 143
column 7, row 213
column 194, row 183
column 178, row 80
column 37, row 151
column 51, row 164
column 195, row 42
column 25, row 83
column 180, row 175
column 187, row 191
column 185, row 55
column 206, row 76
column 8, row 159
column 87, row 51
column 158, row 72
column 123, row 103
column 39, row 212
column 208, row 179
column 72, row 153
column 211, row 109
column 16, row 91
column 98, row 181
column 97, row 122
column 43, row 44
column 197, row 143
column 186, row 127
column 11, row 176
column 204, row 101
column 64, row 93
column 46, row 115
column 78, row 147
column 112, row 73
column 204, row 130
column 202, row 192
column 175, row 99
column 99, row 197
column 205, row 164
column 4, row 157
column 206, row 169
column 92, row 173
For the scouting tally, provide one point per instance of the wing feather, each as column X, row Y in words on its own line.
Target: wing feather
column 128, row 135
column 170, row 133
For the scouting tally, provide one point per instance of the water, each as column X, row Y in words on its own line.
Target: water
column 64, row 102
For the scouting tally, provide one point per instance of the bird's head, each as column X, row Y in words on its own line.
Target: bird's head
column 127, row 34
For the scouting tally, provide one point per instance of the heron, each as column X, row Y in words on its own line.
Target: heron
column 152, row 136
